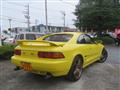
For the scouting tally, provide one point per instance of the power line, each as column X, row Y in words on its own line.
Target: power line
column 33, row 11
column 12, row 20
column 13, row 10
column 18, row 4
column 15, row 19
column 69, row 4
column 36, row 8
column 22, row 20
column 11, row 17
column 22, row 5
column 66, row 2
column 15, row 4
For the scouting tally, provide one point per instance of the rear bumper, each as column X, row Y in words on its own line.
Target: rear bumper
column 55, row 67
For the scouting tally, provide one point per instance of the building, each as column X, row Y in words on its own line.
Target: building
column 67, row 29
column 39, row 28
column 16, row 30
column 42, row 28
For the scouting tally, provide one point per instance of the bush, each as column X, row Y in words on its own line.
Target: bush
column 105, row 39
column 6, row 51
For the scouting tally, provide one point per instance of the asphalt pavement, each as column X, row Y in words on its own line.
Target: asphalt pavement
column 98, row 76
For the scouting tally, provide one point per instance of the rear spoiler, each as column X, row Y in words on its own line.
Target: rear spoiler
column 25, row 42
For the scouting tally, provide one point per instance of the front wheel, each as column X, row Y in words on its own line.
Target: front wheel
column 103, row 56
column 76, row 69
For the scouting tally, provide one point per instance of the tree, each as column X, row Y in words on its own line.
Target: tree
column 98, row 14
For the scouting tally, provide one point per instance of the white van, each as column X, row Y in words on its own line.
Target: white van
column 25, row 36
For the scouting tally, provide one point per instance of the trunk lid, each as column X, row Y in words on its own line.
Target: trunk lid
column 39, row 43
column 30, row 48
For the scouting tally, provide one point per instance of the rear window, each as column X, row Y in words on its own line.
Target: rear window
column 30, row 36
column 59, row 37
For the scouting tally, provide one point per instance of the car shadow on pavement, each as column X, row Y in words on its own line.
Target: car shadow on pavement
column 30, row 80
column 54, row 80
column 41, row 78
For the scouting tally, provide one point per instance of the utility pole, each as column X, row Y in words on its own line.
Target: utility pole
column 36, row 23
column 64, row 14
column 10, row 20
column 27, row 16
column 46, row 16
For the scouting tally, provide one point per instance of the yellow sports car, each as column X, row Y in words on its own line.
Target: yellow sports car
column 59, row 54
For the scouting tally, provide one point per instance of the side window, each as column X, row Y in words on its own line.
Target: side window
column 84, row 39
column 81, row 39
column 30, row 36
column 88, row 40
column 21, row 36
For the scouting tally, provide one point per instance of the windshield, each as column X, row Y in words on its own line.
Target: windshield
column 59, row 37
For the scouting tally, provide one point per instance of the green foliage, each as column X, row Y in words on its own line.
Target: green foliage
column 105, row 40
column 98, row 14
column 6, row 51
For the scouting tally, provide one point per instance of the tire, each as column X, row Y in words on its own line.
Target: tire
column 103, row 56
column 76, row 69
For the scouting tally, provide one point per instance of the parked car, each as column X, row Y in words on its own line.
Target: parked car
column 23, row 36
column 9, row 40
column 60, row 54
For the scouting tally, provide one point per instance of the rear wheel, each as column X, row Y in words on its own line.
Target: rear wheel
column 104, row 56
column 76, row 69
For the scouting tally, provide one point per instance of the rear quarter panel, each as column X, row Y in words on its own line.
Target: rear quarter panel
column 73, row 50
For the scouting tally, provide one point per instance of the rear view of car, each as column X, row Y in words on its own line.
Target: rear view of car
column 9, row 41
column 60, row 54
column 43, row 57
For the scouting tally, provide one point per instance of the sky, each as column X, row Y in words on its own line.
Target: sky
column 15, row 9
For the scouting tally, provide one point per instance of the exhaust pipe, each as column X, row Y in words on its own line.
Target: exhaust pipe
column 17, row 68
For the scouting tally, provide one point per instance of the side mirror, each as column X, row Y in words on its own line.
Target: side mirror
column 99, row 41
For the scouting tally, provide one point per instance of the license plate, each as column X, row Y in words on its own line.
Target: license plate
column 26, row 66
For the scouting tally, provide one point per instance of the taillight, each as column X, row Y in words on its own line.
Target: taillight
column 53, row 55
column 17, row 52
